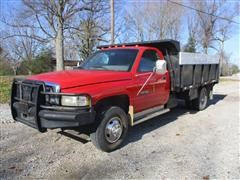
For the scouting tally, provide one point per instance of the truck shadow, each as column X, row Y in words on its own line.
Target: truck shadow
column 136, row 132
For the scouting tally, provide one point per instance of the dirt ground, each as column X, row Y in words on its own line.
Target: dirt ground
column 180, row 144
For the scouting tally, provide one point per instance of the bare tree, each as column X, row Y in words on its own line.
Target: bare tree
column 88, row 37
column 91, row 29
column 18, row 48
column 221, row 38
column 211, row 25
column 154, row 20
column 214, row 24
column 192, row 27
column 51, row 18
column 223, row 34
column 134, row 22
column 207, row 23
column 169, row 16
column 192, row 24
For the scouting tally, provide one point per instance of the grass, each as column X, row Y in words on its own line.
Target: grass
column 5, row 88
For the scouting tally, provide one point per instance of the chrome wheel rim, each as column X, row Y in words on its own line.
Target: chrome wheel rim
column 113, row 130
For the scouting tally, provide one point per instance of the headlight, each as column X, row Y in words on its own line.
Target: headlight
column 75, row 101
column 52, row 99
column 52, row 88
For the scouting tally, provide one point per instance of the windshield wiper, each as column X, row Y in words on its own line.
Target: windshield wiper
column 98, row 67
column 80, row 67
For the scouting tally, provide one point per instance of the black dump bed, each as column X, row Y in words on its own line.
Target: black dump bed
column 187, row 70
column 193, row 70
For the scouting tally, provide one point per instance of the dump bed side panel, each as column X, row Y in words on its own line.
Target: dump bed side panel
column 192, row 70
column 186, row 58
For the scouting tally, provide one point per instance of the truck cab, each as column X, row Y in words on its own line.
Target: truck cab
column 117, row 87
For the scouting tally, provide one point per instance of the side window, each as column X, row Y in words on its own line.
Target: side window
column 148, row 60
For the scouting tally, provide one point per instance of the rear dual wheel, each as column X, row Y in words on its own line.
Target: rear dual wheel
column 199, row 103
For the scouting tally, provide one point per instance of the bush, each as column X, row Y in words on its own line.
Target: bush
column 191, row 45
column 5, row 68
column 229, row 69
column 235, row 69
column 41, row 63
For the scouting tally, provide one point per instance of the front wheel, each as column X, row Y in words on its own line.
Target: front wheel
column 112, row 129
column 201, row 102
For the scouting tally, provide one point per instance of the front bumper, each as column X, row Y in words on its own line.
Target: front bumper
column 57, row 119
column 31, row 110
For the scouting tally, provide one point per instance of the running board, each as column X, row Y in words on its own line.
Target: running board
column 149, row 114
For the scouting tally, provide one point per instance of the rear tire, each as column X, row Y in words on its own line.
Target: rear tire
column 201, row 102
column 112, row 129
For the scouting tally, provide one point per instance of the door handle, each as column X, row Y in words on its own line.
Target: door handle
column 163, row 78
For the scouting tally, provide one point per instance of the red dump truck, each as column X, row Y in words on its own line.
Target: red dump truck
column 119, row 86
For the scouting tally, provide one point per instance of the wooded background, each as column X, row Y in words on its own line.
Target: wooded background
column 33, row 32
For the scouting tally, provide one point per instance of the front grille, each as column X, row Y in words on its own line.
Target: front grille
column 27, row 93
column 25, row 101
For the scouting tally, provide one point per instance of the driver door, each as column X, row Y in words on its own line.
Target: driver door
column 150, row 85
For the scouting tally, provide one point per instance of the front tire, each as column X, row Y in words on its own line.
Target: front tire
column 112, row 129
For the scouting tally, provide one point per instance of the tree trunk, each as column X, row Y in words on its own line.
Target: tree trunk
column 59, row 41
column 206, row 50
column 221, row 58
column 14, row 70
column 59, row 51
column 112, row 21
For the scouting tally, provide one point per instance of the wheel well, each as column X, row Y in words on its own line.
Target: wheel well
column 121, row 101
column 186, row 95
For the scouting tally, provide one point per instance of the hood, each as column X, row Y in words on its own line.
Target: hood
column 73, row 78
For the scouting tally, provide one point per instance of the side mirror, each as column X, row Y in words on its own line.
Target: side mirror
column 161, row 67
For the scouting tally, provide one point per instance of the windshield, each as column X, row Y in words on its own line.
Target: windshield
column 112, row 60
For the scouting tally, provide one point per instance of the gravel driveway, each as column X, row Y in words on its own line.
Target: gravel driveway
column 181, row 144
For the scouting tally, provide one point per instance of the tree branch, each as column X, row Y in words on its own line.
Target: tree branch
column 41, row 27
column 40, row 39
